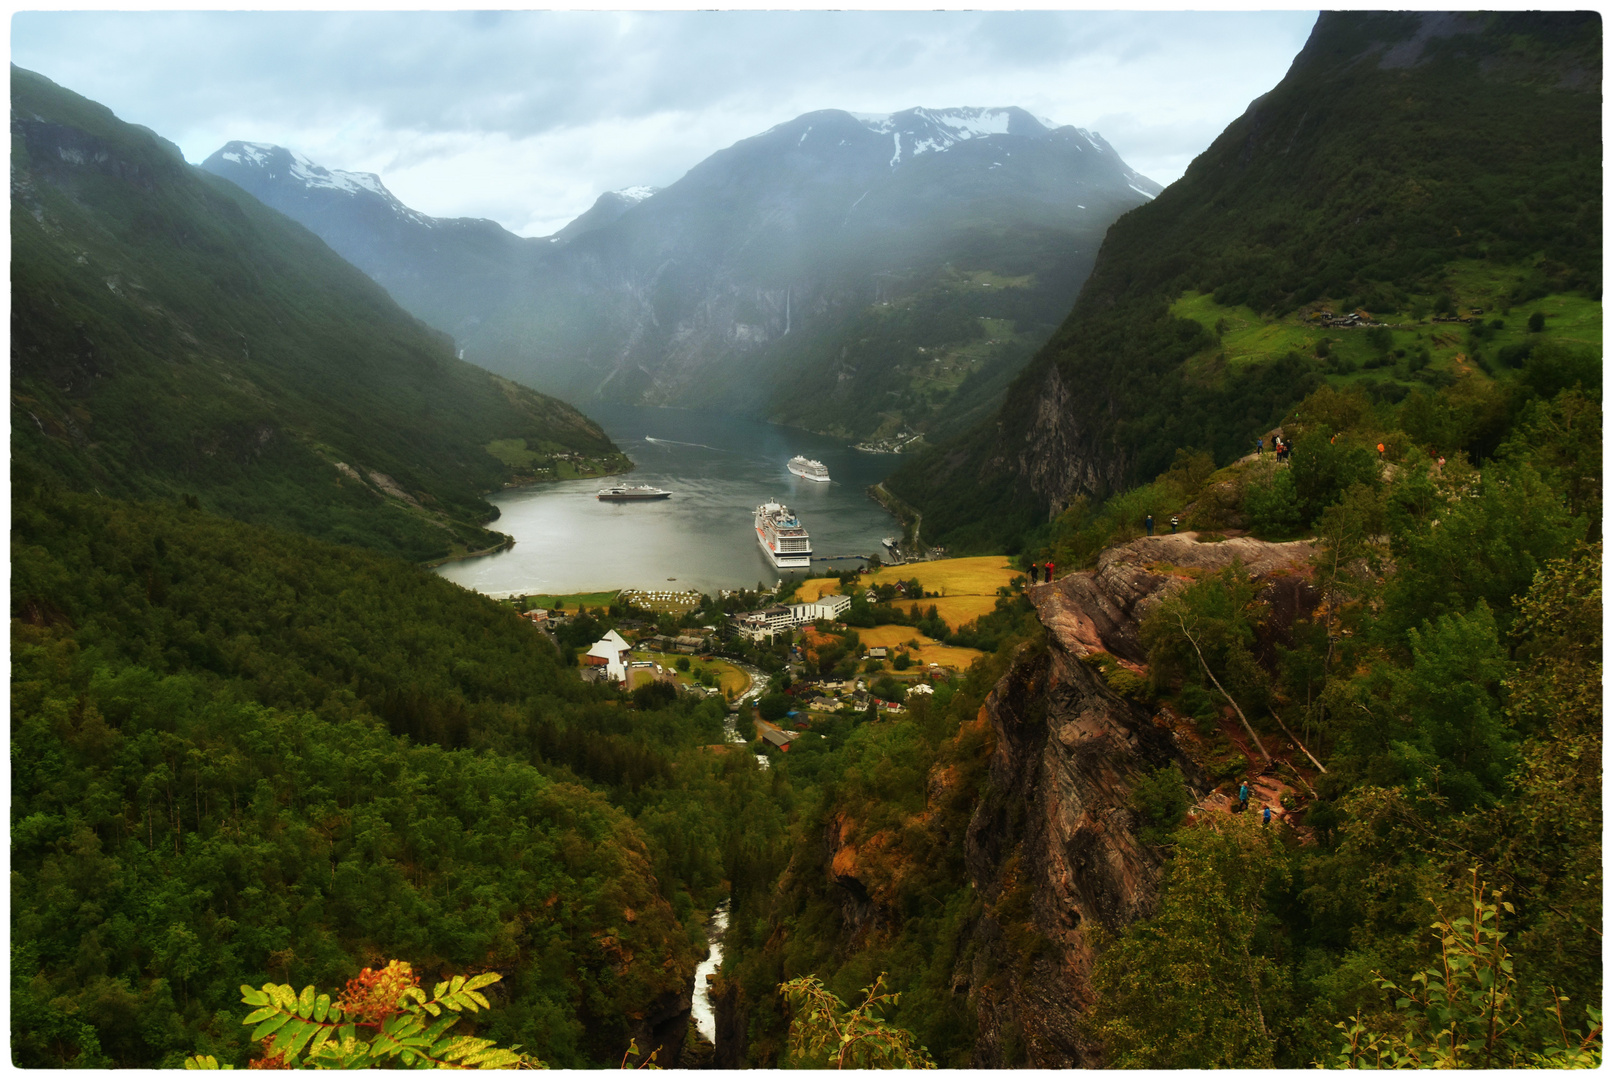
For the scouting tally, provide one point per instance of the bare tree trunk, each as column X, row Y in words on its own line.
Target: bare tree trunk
column 1297, row 743
column 1246, row 726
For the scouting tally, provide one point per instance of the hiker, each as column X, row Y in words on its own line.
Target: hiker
column 1243, row 796
column 1175, row 521
column 1033, row 573
column 1265, row 817
column 1148, row 523
column 1380, row 451
column 1260, row 446
column 1047, row 575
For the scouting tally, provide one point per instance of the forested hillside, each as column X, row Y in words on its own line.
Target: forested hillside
column 1408, row 675
column 1410, row 165
column 241, row 755
column 172, row 336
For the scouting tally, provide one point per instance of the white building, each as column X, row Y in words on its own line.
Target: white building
column 757, row 625
column 611, row 653
column 825, row 607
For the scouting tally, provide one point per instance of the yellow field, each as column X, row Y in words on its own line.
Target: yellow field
column 979, row 576
column 814, row 588
column 968, row 587
column 929, row 651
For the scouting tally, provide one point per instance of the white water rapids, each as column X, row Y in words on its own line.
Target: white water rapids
column 705, row 1018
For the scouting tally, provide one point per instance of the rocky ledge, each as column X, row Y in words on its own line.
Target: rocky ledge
column 1053, row 848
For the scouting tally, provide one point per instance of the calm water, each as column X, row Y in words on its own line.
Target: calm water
column 719, row 469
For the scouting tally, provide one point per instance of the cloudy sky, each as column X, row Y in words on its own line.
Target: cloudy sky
column 525, row 117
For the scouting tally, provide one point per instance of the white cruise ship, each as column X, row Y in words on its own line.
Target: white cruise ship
column 807, row 469
column 782, row 536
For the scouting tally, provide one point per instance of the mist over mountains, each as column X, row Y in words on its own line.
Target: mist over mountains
column 844, row 272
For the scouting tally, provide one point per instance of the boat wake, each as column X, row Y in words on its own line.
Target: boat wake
column 675, row 442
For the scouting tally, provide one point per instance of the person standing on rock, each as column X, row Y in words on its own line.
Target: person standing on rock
column 1243, row 796
column 1148, row 523
column 1175, row 521
column 1047, row 572
column 1033, row 573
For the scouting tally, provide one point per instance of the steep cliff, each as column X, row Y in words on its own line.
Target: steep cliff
column 1053, row 848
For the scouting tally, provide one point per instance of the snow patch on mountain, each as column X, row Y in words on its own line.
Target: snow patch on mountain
column 636, row 194
column 300, row 169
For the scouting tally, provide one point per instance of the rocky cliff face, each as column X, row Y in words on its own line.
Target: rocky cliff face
column 1053, row 848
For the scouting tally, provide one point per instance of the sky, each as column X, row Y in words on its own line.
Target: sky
column 527, row 117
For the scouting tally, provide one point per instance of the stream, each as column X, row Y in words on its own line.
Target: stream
column 705, row 1018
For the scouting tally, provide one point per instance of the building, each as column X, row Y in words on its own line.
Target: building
column 824, row 607
column 779, row 738
column 610, row 652
column 757, row 625
column 537, row 617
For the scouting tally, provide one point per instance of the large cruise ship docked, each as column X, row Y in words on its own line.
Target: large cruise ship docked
column 782, row 536
column 808, row 469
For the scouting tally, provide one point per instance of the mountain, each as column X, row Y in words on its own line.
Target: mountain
column 856, row 274
column 1409, row 165
column 172, row 336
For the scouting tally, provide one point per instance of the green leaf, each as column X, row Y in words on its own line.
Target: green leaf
column 300, row 1039
column 487, row 978
column 439, row 990
column 457, row 984
column 261, row 1014
column 249, row 996
column 270, row 1026
column 305, row 1002
column 322, row 1007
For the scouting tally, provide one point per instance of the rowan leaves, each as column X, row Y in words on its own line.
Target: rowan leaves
column 382, row 1018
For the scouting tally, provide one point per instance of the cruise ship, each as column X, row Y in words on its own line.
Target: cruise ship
column 782, row 536
column 807, row 469
column 631, row 493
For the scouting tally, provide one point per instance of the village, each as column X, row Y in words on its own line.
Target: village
column 808, row 651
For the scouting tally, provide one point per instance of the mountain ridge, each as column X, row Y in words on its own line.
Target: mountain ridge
column 765, row 263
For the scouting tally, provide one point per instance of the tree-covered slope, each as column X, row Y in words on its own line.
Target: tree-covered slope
column 1408, row 163
column 170, row 335
column 239, row 755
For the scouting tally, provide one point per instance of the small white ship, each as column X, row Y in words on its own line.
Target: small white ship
column 631, row 493
column 782, row 536
column 807, row 469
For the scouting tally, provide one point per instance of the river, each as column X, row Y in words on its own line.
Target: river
column 719, row 468
column 705, row 1018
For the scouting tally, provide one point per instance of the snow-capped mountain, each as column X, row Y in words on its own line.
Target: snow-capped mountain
column 277, row 165
column 767, row 267
column 606, row 209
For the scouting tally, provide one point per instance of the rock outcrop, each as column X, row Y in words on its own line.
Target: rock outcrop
column 1053, row 848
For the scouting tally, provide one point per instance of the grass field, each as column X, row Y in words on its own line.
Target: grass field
column 730, row 680
column 1248, row 339
column 571, row 601
column 978, row 576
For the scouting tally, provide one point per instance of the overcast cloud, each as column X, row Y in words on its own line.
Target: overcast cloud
column 526, row 117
